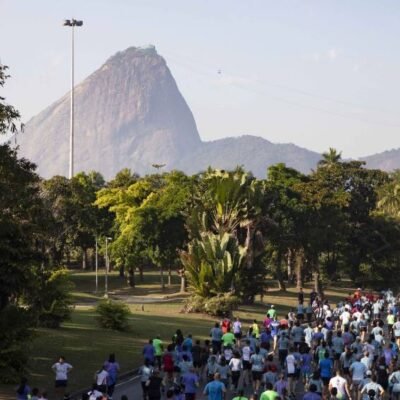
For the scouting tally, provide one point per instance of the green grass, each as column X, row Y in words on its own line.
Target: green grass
column 86, row 346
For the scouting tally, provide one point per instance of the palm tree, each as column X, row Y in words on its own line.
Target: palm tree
column 389, row 199
column 330, row 157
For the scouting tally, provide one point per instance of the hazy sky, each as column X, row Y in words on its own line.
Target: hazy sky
column 315, row 73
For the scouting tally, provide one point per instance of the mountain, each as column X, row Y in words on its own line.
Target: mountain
column 253, row 152
column 387, row 161
column 130, row 113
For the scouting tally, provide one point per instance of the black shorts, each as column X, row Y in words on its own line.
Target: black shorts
column 257, row 375
column 246, row 365
column 190, row 396
column 61, row 383
column 325, row 381
column 197, row 363
column 238, row 335
column 346, row 370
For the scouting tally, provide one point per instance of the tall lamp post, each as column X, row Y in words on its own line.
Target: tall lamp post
column 107, row 268
column 72, row 23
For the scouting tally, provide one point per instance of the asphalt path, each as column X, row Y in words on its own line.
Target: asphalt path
column 133, row 390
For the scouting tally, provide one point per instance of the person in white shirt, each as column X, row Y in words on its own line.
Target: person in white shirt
column 101, row 378
column 308, row 332
column 290, row 363
column 61, row 368
column 237, row 329
column 376, row 387
column 341, row 385
column 376, row 309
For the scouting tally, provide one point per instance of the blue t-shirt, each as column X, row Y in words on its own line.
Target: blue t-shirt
column 214, row 390
column 311, row 396
column 24, row 393
column 326, row 368
column 190, row 381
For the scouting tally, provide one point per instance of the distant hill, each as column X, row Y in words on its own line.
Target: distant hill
column 130, row 113
column 253, row 152
column 387, row 161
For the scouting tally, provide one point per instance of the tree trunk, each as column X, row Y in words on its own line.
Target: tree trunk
column 162, row 278
column 84, row 259
column 318, row 283
column 183, row 283
column 141, row 274
column 169, row 277
column 279, row 274
column 299, row 269
column 131, row 276
column 290, row 264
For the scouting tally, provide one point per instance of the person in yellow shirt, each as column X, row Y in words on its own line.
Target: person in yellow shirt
column 255, row 329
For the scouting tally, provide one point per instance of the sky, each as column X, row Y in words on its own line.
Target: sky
column 315, row 73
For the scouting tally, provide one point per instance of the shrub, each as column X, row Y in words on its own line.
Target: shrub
column 113, row 315
column 216, row 306
column 15, row 337
column 52, row 301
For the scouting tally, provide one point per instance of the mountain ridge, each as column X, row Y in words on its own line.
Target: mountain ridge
column 130, row 113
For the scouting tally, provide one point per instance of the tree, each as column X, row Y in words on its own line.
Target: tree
column 329, row 158
column 19, row 202
column 229, row 203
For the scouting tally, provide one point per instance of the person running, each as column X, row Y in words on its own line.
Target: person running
column 269, row 393
column 236, row 366
column 190, row 381
column 373, row 389
column 216, row 337
column 145, row 372
column 158, row 346
column 341, row 385
column 154, row 385
column 240, row 395
column 215, row 390
column 23, row 390
column 257, row 367
column 112, row 367
column 61, row 369
column 291, row 364
column 237, row 329
column 312, row 393
column 101, row 379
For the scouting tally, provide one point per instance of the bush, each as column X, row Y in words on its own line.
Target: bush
column 15, row 337
column 53, row 303
column 113, row 315
column 217, row 306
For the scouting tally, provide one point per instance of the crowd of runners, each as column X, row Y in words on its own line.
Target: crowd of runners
column 346, row 351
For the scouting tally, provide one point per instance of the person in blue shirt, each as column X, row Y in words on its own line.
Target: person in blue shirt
column 312, row 393
column 215, row 389
column 326, row 366
column 191, row 382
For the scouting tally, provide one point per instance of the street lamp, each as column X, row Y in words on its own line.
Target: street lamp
column 72, row 23
column 107, row 267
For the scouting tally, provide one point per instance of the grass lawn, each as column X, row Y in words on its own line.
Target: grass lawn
column 86, row 346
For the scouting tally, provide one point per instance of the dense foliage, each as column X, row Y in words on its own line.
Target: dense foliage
column 113, row 315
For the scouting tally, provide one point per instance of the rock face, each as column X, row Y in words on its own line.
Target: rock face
column 128, row 113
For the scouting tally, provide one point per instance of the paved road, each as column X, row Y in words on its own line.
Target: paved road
column 132, row 388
